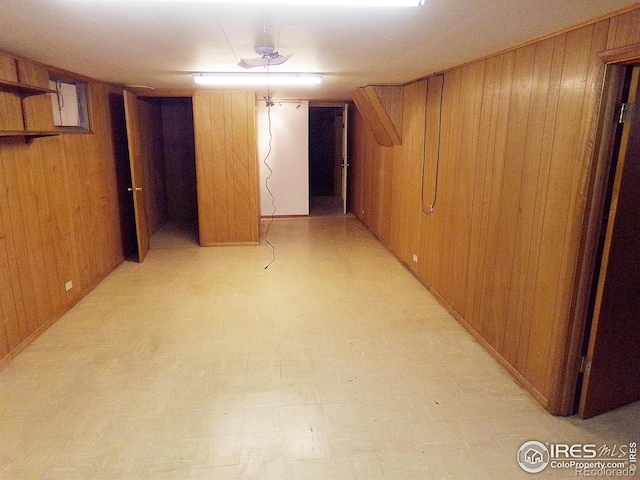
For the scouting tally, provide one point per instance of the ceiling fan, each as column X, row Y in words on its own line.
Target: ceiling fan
column 268, row 57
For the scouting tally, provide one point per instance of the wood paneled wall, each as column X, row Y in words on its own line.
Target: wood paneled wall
column 59, row 221
column 38, row 114
column 513, row 138
column 227, row 167
column 152, row 144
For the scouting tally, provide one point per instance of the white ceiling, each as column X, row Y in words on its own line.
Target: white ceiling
column 158, row 43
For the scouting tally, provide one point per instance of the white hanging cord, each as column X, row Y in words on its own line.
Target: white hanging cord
column 269, row 104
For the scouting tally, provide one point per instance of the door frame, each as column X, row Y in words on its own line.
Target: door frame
column 344, row 153
column 615, row 61
column 345, row 157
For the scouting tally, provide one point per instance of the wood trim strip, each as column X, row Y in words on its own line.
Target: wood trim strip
column 376, row 116
column 621, row 56
column 229, row 244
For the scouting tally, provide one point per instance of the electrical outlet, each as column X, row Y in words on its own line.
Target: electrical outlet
column 68, row 286
column 415, row 258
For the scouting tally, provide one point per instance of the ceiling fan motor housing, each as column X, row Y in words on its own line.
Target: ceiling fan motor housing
column 266, row 51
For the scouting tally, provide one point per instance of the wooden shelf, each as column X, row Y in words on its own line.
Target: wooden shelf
column 28, row 134
column 22, row 89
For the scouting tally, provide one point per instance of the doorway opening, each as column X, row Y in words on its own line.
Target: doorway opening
column 327, row 160
column 610, row 350
column 166, row 147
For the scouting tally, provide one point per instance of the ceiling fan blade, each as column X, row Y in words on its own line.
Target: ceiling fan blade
column 263, row 61
column 279, row 60
column 253, row 62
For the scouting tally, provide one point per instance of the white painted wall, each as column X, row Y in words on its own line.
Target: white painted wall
column 289, row 157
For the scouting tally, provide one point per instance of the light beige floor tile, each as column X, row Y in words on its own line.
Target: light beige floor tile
column 300, row 394
column 263, row 419
column 300, row 417
column 348, row 414
column 306, row 443
column 263, row 447
column 358, row 467
column 218, row 451
column 276, row 470
column 350, row 442
column 406, row 467
column 393, row 439
column 223, row 422
column 333, row 364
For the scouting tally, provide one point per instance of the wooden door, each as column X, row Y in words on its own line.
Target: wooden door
column 345, row 156
column 612, row 376
column 132, row 117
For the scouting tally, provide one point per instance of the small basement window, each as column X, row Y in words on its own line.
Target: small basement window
column 69, row 104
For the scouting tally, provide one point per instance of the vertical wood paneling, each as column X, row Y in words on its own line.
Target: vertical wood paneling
column 482, row 195
column 59, row 221
column 405, row 192
column 511, row 208
column 13, row 313
column 152, row 153
column 393, row 102
column 490, row 284
column 8, row 68
column 15, row 232
column 464, row 183
column 593, row 82
column 226, row 167
column 625, row 30
column 500, row 249
column 440, row 241
column 559, row 203
column 10, row 104
column 542, row 106
column 11, row 108
column 38, row 114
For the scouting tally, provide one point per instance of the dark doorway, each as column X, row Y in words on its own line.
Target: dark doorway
column 168, row 155
column 123, row 175
column 325, row 157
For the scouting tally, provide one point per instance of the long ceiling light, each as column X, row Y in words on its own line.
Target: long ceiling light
column 346, row 3
column 243, row 79
column 356, row 3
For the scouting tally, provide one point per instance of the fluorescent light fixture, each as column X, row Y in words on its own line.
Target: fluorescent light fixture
column 346, row 3
column 243, row 79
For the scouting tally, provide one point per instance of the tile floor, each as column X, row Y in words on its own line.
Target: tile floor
column 332, row 364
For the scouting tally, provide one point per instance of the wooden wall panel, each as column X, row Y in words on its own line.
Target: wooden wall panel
column 38, row 113
column 515, row 139
column 59, row 222
column 624, row 30
column 406, row 167
column 11, row 108
column 8, row 68
column 391, row 97
column 152, row 146
column 226, row 167
column 377, row 116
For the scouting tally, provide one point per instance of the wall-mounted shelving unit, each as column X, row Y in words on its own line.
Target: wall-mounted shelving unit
column 25, row 105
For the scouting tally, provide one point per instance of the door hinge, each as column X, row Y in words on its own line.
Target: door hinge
column 625, row 112
column 585, row 366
